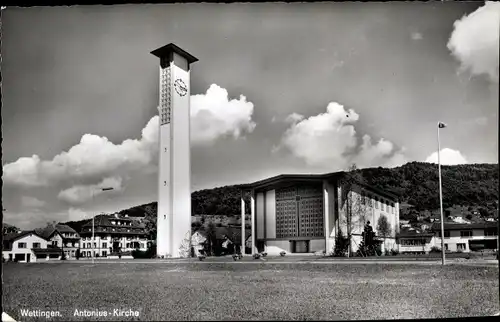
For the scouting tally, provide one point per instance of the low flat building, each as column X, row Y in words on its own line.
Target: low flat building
column 457, row 238
column 112, row 234
column 305, row 213
column 413, row 242
column 467, row 237
column 28, row 246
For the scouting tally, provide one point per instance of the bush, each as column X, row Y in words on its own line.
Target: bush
column 150, row 253
column 264, row 254
column 256, row 256
column 201, row 257
column 341, row 245
column 394, row 252
column 435, row 249
column 282, row 253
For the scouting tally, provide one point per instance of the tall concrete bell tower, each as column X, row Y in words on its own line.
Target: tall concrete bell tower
column 174, row 177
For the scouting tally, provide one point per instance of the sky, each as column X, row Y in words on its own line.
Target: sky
column 278, row 88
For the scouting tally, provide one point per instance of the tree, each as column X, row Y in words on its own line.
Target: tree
column 483, row 212
column 354, row 203
column 384, row 227
column 211, row 236
column 367, row 246
column 8, row 229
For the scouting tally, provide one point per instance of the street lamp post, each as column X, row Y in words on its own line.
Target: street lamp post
column 440, row 126
column 93, row 225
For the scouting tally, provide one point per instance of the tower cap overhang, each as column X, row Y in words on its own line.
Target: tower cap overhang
column 167, row 50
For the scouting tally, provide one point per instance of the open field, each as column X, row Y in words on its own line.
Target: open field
column 235, row 291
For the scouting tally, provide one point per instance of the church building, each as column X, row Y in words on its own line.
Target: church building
column 304, row 213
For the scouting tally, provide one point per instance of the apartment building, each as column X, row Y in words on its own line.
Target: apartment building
column 112, row 234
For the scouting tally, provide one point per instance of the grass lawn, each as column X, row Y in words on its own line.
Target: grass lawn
column 210, row 291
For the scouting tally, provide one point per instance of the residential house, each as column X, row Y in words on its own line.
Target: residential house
column 458, row 220
column 404, row 223
column 232, row 238
column 28, row 246
column 112, row 234
column 63, row 236
column 227, row 240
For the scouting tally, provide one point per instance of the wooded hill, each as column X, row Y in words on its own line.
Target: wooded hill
column 417, row 183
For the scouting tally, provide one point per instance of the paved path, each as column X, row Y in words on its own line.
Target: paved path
column 284, row 261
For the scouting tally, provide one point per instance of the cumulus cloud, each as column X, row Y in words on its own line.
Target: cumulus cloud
column 329, row 140
column 294, row 118
column 36, row 218
column 416, row 36
column 94, row 156
column 76, row 214
column 448, row 157
column 213, row 116
column 475, row 41
column 79, row 194
column 32, row 202
column 383, row 153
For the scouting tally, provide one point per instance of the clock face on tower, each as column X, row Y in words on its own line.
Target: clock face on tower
column 180, row 87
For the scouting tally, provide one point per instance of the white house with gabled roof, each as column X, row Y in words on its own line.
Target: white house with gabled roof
column 28, row 246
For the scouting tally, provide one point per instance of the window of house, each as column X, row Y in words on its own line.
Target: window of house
column 104, row 245
column 465, row 233
column 83, row 245
column 446, row 234
column 95, row 245
column 461, row 246
column 21, row 245
column 376, row 203
column 445, row 246
column 36, row 245
column 490, row 232
column 104, row 253
column 54, row 243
